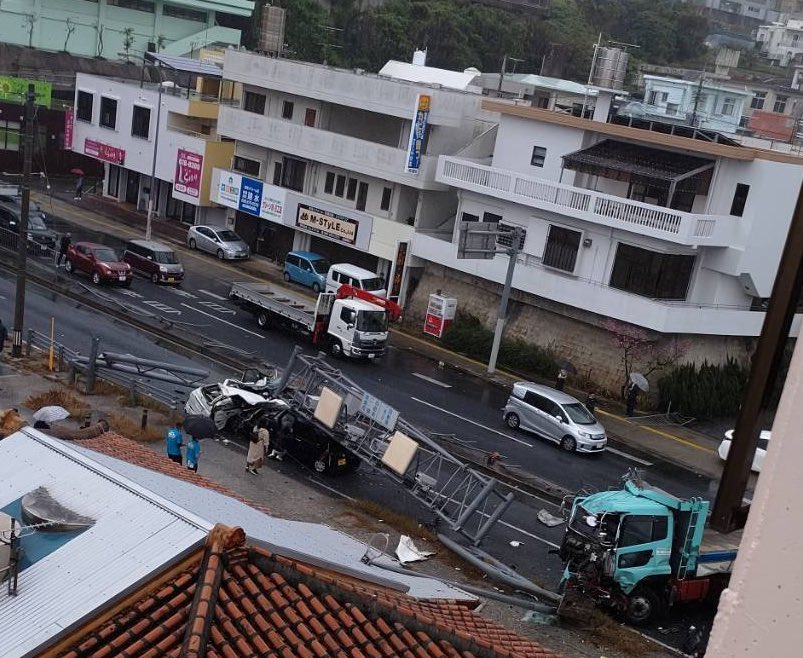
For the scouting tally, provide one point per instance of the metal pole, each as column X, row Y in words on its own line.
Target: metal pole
column 501, row 76
column 728, row 513
column 151, row 193
column 501, row 317
column 22, row 237
column 91, row 370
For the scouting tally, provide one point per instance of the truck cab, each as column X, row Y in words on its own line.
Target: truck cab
column 357, row 328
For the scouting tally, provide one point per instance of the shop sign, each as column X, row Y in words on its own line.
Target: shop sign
column 250, row 196
column 228, row 189
column 188, row 173
column 69, row 124
column 327, row 224
column 417, row 132
column 398, row 270
column 104, row 152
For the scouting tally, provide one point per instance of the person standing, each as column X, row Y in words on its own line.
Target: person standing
column 260, row 439
column 193, row 454
column 631, row 395
column 560, row 380
column 174, row 440
column 280, row 436
column 79, row 187
column 64, row 246
column 591, row 403
column 3, row 336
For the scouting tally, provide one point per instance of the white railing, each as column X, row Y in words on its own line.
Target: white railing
column 588, row 205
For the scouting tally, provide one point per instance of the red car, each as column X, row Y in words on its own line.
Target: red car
column 98, row 261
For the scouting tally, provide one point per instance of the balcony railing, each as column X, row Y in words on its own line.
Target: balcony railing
column 643, row 218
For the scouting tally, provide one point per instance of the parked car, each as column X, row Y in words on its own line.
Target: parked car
column 155, row 260
column 345, row 273
column 99, row 262
column 555, row 416
column 222, row 242
column 307, row 268
column 38, row 231
column 758, row 456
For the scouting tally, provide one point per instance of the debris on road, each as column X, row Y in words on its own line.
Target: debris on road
column 548, row 519
column 408, row 552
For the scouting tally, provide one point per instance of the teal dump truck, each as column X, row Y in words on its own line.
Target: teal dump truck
column 639, row 550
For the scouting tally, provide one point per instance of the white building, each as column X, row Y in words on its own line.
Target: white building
column 116, row 123
column 325, row 161
column 705, row 105
column 782, row 43
column 664, row 231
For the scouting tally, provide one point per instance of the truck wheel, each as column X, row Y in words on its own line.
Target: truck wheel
column 319, row 466
column 316, row 288
column 642, row 606
column 155, row 277
column 193, row 244
column 335, row 348
column 568, row 443
column 263, row 320
column 286, row 277
column 512, row 421
column 96, row 278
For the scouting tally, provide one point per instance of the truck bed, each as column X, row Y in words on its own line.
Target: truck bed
column 262, row 295
column 717, row 552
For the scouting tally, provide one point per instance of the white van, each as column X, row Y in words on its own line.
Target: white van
column 344, row 273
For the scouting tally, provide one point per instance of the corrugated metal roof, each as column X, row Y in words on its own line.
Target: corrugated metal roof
column 552, row 84
column 135, row 534
column 429, row 75
column 315, row 543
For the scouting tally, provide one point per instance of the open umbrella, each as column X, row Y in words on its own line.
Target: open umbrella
column 640, row 381
column 51, row 414
column 201, row 427
column 77, row 171
column 568, row 366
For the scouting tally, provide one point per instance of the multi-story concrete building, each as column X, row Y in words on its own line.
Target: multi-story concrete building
column 116, row 123
column 672, row 229
column 118, row 29
column 781, row 43
column 342, row 162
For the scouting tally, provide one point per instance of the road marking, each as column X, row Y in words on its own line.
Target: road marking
column 164, row 308
column 638, row 460
column 215, row 317
column 691, row 444
column 182, row 293
column 217, row 307
column 131, row 293
column 528, row 534
column 431, row 380
column 485, row 427
column 213, row 295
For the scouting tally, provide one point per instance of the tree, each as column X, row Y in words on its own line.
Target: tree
column 29, row 23
column 99, row 27
column 70, row 29
column 305, row 30
column 128, row 41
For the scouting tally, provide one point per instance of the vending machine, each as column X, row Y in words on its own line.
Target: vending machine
column 440, row 314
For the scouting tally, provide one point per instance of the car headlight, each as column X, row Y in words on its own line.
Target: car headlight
column 162, row 268
column 585, row 435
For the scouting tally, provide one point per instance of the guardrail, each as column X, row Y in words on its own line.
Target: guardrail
column 10, row 240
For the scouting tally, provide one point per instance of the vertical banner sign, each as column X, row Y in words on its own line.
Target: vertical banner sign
column 69, row 122
column 398, row 271
column 417, row 132
column 188, row 173
column 250, row 196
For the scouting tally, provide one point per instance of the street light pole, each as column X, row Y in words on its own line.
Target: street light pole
column 22, row 238
column 501, row 318
column 153, row 183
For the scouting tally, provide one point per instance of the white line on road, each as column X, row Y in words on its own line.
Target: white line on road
column 485, row 427
column 217, row 307
column 638, row 460
column 431, row 380
column 214, row 317
column 529, row 534
column 182, row 293
column 213, row 295
column 164, row 308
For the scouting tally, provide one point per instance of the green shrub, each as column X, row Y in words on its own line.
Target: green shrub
column 704, row 391
column 468, row 336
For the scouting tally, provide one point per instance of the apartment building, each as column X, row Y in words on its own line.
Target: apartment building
column 342, row 162
column 781, row 43
column 668, row 228
column 120, row 124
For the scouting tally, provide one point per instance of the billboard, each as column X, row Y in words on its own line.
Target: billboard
column 250, row 195
column 104, row 152
column 188, row 173
column 327, row 224
column 69, row 124
column 418, row 131
column 15, row 89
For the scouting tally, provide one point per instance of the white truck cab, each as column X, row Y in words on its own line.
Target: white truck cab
column 357, row 328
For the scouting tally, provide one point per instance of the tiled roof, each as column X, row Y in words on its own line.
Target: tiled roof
column 231, row 600
column 125, row 449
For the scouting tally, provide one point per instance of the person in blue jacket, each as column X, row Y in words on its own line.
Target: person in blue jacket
column 193, row 454
column 174, row 441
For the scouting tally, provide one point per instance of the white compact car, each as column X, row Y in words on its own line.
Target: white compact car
column 761, row 449
column 227, row 404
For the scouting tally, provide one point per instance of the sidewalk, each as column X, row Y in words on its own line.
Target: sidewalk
column 676, row 444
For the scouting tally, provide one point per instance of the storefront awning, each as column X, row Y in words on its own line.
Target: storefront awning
column 621, row 160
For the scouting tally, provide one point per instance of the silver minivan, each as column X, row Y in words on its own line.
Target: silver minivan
column 554, row 415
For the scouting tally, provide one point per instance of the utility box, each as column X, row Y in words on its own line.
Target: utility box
column 440, row 314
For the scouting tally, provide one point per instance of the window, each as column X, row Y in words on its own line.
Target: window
column 113, row 186
column 780, row 104
column 351, row 193
column 637, row 530
column 386, row 194
column 469, row 217
column 141, row 121
column 652, row 274
column 287, row 110
column 253, row 102
column 538, row 156
column 309, row 117
column 183, row 12
column 757, row 102
column 293, row 172
column 743, row 121
column 671, row 109
column 728, row 105
column 329, row 185
column 362, row 196
column 10, row 135
column 652, row 98
column 246, row 166
column 83, row 112
column 340, row 186
column 135, row 5
column 506, row 236
column 108, row 112
column 491, row 217
column 277, row 173
column 562, row 245
column 739, row 199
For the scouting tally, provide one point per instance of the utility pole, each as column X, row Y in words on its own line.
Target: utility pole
column 501, row 317
column 154, row 181
column 697, row 99
column 22, row 237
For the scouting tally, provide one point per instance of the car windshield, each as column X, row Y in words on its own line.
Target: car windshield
column 105, row 255
column 321, row 266
column 228, row 236
column 602, row 528
column 166, row 257
column 372, row 284
column 36, row 223
column 579, row 414
column 372, row 321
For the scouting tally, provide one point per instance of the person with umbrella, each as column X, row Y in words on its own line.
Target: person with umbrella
column 46, row 415
column 637, row 381
column 79, row 184
column 198, row 427
column 174, row 441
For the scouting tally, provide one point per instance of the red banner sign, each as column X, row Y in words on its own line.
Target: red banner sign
column 69, row 122
column 104, row 152
column 188, row 173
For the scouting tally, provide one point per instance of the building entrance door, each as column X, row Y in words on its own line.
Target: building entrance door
column 132, row 187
